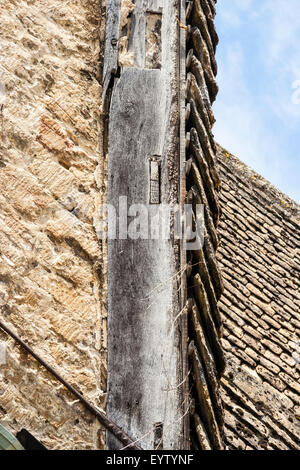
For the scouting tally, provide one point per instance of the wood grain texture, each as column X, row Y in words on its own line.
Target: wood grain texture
column 144, row 356
column 111, row 42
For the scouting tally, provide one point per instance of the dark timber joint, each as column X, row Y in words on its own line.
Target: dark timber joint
column 155, row 180
column 158, row 436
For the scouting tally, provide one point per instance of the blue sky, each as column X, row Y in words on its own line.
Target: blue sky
column 258, row 106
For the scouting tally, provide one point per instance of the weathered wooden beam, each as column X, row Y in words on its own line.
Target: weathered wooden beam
column 111, row 41
column 146, row 367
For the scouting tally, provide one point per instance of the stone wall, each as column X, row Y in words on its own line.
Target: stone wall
column 51, row 288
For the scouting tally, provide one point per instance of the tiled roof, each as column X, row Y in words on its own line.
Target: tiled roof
column 259, row 258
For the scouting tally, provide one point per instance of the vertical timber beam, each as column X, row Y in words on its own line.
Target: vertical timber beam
column 146, row 367
column 182, row 191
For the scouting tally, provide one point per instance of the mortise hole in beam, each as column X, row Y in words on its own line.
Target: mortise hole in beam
column 158, row 436
column 153, row 40
column 155, row 177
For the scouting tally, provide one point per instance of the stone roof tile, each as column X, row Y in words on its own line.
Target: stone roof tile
column 260, row 305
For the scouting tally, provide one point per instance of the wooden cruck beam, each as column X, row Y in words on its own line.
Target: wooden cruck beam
column 144, row 77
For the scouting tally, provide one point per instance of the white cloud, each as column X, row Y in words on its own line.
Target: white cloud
column 239, row 125
column 247, row 116
column 229, row 19
column 282, row 55
column 243, row 4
